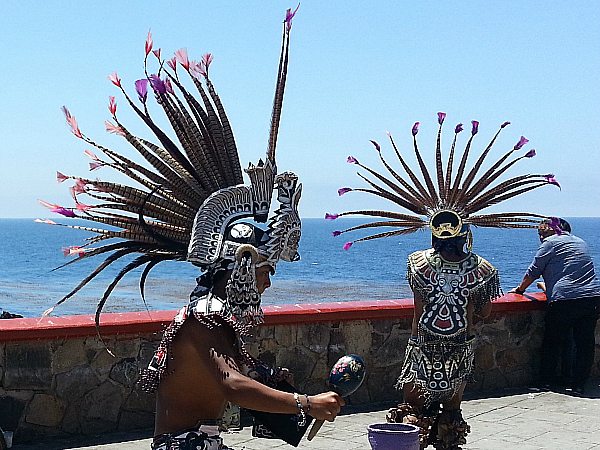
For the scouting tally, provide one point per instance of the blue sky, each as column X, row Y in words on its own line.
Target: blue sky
column 357, row 70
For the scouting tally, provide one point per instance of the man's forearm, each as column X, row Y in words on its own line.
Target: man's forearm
column 527, row 280
column 251, row 394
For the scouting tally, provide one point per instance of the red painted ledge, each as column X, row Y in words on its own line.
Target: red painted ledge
column 150, row 322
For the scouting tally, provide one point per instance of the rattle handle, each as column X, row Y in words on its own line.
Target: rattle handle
column 314, row 429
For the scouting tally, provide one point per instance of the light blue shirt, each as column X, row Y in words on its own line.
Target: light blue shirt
column 567, row 268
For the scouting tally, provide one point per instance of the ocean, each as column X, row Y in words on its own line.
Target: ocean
column 373, row 270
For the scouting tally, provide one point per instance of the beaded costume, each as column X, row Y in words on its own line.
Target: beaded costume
column 439, row 359
column 186, row 201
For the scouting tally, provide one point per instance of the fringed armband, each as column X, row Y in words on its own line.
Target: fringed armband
column 488, row 290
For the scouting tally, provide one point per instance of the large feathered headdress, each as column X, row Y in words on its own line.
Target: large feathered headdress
column 186, row 195
column 449, row 204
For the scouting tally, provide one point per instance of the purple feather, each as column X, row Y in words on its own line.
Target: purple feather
column 344, row 190
column 441, row 117
column 289, row 15
column 157, row 84
column 530, row 153
column 347, row 245
column 336, row 233
column 64, row 211
column 169, row 86
column 505, row 124
column 551, row 180
column 141, row 87
column 475, row 127
column 331, row 216
column 458, row 128
column 352, row 160
column 415, row 128
column 521, row 143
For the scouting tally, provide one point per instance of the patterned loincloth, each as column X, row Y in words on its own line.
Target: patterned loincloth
column 206, row 437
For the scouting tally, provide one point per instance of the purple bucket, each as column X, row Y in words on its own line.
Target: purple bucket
column 393, row 436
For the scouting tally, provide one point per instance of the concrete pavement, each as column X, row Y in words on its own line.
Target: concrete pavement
column 524, row 420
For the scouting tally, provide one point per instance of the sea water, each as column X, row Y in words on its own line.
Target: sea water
column 370, row 270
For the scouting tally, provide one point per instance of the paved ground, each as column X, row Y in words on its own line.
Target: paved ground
column 524, row 420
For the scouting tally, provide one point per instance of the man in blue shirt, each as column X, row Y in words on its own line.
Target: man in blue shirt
column 573, row 293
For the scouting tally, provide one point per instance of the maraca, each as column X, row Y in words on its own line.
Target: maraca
column 345, row 377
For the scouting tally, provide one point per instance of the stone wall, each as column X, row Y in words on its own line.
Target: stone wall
column 507, row 351
column 73, row 386
column 60, row 381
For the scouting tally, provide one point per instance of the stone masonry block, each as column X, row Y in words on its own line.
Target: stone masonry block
column 519, row 324
column 103, row 403
column 299, row 360
column 314, row 336
column 72, row 419
column 320, row 371
column 28, row 365
column 391, row 350
column 140, row 401
column 266, row 332
column 383, row 326
column 379, row 385
column 515, row 358
column 68, row 354
column 75, row 383
column 357, row 336
column 268, row 345
column 494, row 379
column 102, row 363
column 46, row 410
column 147, row 349
column 484, row 356
column 519, row 377
column 499, row 337
column 286, row 336
column 125, row 372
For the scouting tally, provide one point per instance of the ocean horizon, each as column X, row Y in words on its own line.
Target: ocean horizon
column 372, row 270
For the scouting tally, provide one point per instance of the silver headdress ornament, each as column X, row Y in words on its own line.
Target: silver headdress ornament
column 449, row 208
column 187, row 195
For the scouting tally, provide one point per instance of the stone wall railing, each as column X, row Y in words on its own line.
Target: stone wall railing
column 57, row 377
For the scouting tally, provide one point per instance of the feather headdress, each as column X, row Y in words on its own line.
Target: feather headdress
column 186, row 193
column 447, row 202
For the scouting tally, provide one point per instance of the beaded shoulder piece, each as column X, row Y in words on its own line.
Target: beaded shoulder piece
column 447, row 287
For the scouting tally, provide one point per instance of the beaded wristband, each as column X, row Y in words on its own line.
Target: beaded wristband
column 307, row 403
column 301, row 412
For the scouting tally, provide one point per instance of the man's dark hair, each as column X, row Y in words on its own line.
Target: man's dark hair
column 453, row 245
column 564, row 225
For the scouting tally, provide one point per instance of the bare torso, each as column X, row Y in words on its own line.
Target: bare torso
column 203, row 373
column 191, row 391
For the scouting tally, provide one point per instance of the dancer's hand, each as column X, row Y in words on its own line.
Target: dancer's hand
column 325, row 406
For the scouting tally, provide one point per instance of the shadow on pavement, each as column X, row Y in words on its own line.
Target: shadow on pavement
column 86, row 441
column 592, row 391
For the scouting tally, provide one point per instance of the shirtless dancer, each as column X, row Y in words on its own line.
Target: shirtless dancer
column 205, row 343
column 187, row 203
